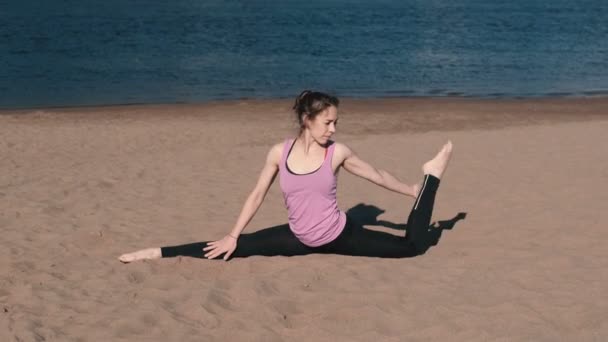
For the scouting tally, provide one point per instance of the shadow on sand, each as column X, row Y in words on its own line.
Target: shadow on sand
column 366, row 214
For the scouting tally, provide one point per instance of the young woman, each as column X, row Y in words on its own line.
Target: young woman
column 307, row 167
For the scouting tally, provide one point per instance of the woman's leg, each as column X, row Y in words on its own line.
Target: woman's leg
column 273, row 241
column 419, row 219
column 278, row 240
column 355, row 240
column 358, row 241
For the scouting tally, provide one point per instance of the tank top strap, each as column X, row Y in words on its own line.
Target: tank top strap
column 286, row 148
column 330, row 154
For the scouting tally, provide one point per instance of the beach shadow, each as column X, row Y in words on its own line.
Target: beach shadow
column 366, row 214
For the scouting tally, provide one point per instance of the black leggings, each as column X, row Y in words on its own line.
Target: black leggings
column 354, row 239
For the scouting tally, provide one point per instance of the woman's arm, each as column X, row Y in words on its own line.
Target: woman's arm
column 252, row 204
column 256, row 197
column 355, row 165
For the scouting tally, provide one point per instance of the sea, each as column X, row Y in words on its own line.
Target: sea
column 104, row 52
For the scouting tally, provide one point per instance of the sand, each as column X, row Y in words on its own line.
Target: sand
column 80, row 186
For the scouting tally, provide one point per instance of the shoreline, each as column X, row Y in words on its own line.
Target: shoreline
column 548, row 97
column 390, row 115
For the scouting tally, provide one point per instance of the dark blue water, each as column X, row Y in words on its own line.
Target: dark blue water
column 68, row 52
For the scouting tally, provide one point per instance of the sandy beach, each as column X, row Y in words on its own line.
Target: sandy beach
column 526, row 198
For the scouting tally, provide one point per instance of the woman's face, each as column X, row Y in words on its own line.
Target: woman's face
column 323, row 126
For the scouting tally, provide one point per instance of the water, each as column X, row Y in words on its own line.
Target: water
column 68, row 52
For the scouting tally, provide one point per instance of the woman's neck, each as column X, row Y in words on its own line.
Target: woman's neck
column 307, row 142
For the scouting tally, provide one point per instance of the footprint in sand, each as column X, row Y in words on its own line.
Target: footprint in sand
column 135, row 278
column 266, row 289
column 217, row 299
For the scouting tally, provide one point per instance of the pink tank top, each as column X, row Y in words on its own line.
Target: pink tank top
column 311, row 202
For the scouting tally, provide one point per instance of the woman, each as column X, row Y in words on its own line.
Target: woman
column 307, row 168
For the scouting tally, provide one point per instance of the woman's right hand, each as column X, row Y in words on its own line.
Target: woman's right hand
column 215, row 248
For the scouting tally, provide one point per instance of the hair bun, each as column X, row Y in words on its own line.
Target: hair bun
column 304, row 93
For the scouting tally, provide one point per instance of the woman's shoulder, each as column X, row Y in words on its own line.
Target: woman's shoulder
column 277, row 147
column 341, row 150
column 276, row 152
column 340, row 147
column 280, row 145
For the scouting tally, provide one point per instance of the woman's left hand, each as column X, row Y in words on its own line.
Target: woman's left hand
column 215, row 248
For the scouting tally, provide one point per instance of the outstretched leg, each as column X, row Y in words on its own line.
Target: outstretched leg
column 278, row 240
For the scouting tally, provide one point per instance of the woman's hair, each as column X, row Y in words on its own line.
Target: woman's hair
column 311, row 103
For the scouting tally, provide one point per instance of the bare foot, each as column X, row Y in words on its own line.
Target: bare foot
column 148, row 253
column 437, row 165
